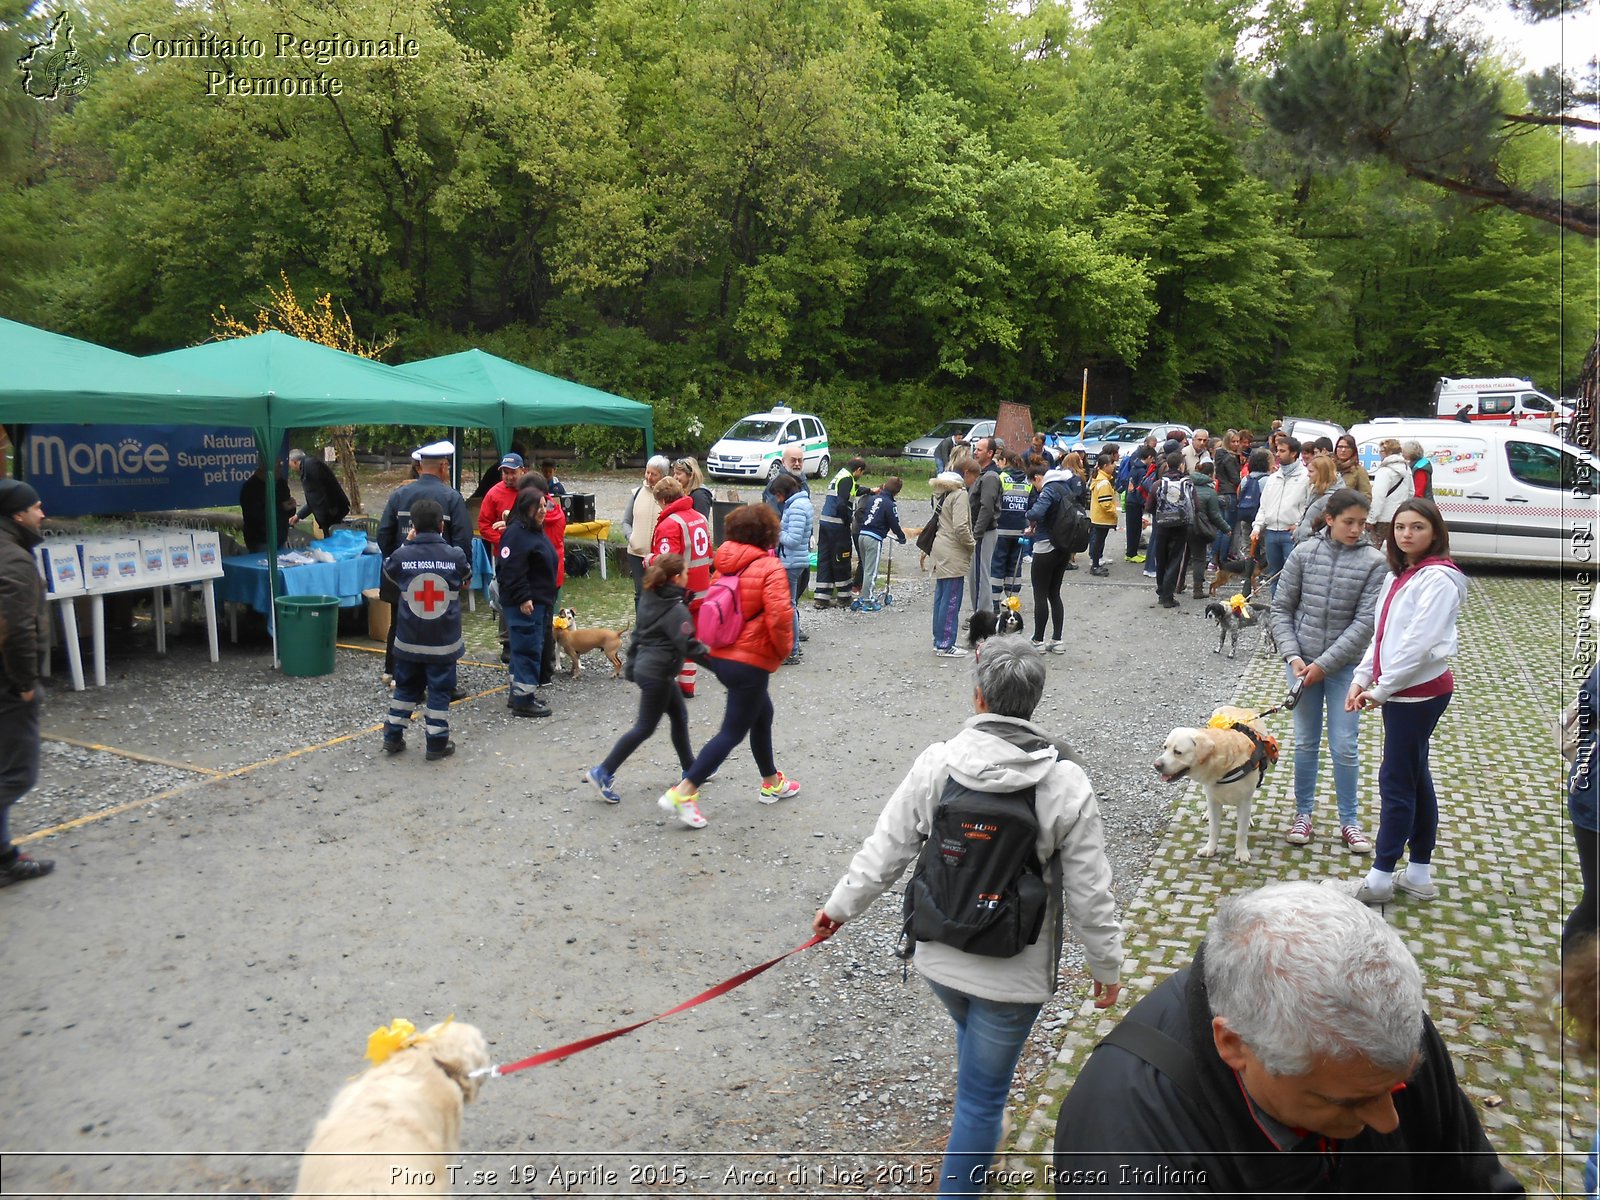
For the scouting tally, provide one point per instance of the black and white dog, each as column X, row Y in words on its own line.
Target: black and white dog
column 1230, row 617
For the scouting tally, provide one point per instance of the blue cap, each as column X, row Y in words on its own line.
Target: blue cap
column 513, row 461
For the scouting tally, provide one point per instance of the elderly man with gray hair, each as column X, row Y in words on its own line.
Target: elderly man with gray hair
column 999, row 758
column 1295, row 1055
column 639, row 520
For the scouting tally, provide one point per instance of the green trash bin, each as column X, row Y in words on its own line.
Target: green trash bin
column 308, row 626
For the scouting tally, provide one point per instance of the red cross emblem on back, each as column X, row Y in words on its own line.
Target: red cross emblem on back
column 428, row 596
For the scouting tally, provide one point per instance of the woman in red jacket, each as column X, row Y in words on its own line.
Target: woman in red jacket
column 746, row 666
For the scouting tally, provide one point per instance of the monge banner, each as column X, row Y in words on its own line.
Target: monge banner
column 82, row 469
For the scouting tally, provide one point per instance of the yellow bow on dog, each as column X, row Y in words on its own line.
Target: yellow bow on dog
column 397, row 1035
column 1014, row 603
column 560, row 622
column 1240, row 605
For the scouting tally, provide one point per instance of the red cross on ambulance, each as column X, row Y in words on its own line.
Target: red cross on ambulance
column 428, row 596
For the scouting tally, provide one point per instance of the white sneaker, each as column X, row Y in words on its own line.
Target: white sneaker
column 951, row 652
column 682, row 807
column 1056, row 648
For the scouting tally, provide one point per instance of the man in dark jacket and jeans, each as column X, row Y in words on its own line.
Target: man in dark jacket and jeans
column 22, row 618
column 325, row 499
column 1294, row 1056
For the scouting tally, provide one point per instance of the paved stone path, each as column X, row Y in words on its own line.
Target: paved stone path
column 1505, row 868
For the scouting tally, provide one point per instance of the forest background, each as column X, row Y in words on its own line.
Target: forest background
column 884, row 212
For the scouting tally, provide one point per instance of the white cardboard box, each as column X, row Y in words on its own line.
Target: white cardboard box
column 180, row 553
column 207, row 553
column 153, row 558
column 63, row 569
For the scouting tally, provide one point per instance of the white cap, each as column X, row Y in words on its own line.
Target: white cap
column 445, row 449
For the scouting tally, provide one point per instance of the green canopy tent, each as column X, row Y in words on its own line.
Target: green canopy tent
column 52, row 378
column 531, row 399
column 314, row 385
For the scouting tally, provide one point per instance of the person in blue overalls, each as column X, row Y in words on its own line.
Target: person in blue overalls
column 429, row 574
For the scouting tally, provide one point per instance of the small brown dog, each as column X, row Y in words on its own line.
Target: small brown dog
column 392, row 1129
column 578, row 642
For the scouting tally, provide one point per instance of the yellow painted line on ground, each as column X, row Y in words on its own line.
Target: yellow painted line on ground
column 212, row 777
column 133, row 754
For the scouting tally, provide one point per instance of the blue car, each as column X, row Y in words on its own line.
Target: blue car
column 1070, row 430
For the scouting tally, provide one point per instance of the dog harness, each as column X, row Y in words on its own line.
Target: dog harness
column 1263, row 754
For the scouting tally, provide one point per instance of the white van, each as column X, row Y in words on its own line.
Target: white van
column 1504, row 401
column 753, row 446
column 1508, row 493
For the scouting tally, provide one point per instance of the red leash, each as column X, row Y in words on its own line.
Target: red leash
column 727, row 985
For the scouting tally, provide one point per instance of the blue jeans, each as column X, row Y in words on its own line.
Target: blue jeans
column 526, row 634
column 1222, row 544
column 1410, row 810
column 1279, row 545
column 748, row 712
column 946, row 611
column 1344, row 729
column 989, row 1040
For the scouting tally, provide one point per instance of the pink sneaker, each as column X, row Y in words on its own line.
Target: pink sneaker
column 782, row 790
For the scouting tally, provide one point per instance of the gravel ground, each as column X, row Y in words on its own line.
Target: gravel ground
column 189, row 989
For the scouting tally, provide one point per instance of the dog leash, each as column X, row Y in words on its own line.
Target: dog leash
column 727, row 985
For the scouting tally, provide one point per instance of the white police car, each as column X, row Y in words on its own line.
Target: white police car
column 753, row 447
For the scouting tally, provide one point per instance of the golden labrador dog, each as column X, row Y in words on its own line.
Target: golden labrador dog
column 391, row 1130
column 1229, row 757
column 578, row 642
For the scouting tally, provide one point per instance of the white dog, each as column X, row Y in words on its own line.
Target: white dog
column 1229, row 757
column 391, row 1130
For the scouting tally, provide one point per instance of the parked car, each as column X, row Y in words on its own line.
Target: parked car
column 1127, row 437
column 752, row 447
column 1073, row 428
column 1508, row 494
column 973, row 427
column 1309, row 429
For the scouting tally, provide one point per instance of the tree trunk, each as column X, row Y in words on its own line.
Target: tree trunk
column 344, row 446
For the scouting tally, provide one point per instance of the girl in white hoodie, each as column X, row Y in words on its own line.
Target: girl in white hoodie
column 1406, row 670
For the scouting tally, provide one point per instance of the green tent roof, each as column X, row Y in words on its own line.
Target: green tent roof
column 531, row 398
column 53, row 378
column 315, row 385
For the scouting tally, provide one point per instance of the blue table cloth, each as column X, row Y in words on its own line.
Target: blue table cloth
column 244, row 580
column 482, row 565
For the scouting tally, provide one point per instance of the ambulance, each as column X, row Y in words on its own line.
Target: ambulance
column 1509, row 494
column 1504, row 401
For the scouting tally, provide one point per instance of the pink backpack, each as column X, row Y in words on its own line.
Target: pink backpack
column 720, row 620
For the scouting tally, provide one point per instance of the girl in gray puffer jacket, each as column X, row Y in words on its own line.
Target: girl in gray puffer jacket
column 1322, row 620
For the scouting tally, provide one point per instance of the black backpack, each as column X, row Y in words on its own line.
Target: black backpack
column 1069, row 525
column 978, row 884
column 930, row 531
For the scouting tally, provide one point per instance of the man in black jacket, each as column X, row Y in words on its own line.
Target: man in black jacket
column 1294, row 1056
column 22, row 619
column 325, row 499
